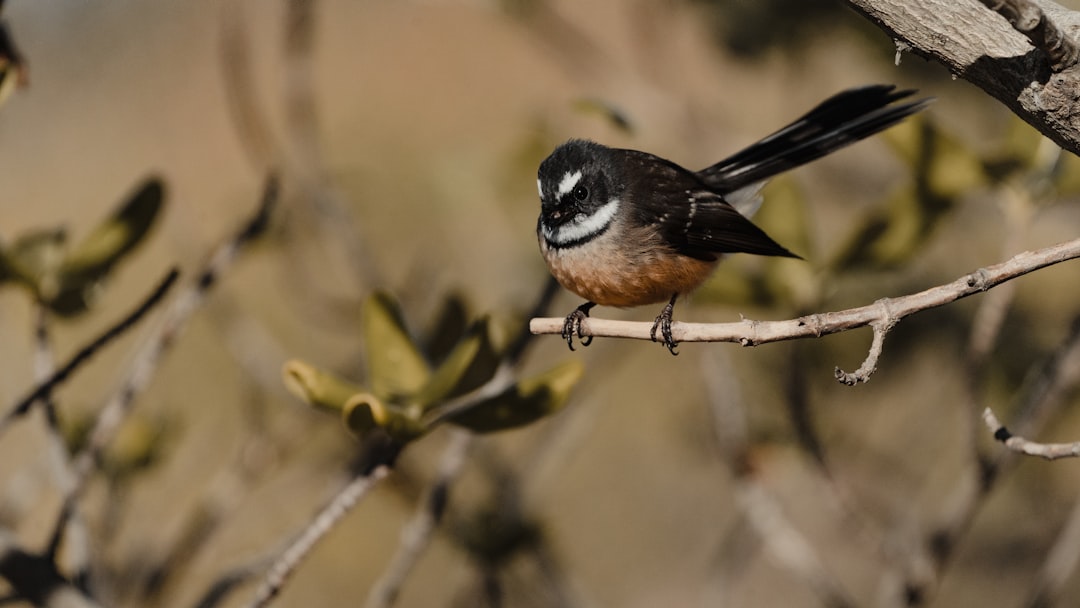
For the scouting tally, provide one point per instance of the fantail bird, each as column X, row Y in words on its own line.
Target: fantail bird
column 627, row 228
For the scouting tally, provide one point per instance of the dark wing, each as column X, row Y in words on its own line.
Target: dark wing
column 840, row 120
column 688, row 216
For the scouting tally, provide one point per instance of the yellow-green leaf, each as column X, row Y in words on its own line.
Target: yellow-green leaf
column 527, row 401
column 317, row 387
column 469, row 365
column 88, row 263
column 363, row 412
column 396, row 367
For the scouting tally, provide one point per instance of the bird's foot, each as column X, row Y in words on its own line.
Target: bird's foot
column 663, row 325
column 572, row 325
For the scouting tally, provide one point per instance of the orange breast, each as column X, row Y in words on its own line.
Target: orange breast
column 625, row 271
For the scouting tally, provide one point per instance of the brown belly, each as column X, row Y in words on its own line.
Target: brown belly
column 635, row 272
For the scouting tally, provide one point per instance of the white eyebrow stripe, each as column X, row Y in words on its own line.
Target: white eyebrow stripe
column 567, row 184
column 540, row 188
column 581, row 228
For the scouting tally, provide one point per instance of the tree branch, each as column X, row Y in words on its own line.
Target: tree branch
column 1039, row 84
column 1049, row 451
column 883, row 313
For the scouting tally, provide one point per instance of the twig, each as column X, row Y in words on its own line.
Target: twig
column 1042, row 392
column 36, row 579
column 1027, row 18
column 1049, row 451
column 884, row 312
column 44, row 389
column 416, row 535
column 117, row 408
column 325, row 521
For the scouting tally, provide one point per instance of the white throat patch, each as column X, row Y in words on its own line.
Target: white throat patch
column 583, row 226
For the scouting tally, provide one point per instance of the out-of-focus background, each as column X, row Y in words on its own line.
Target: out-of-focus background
column 428, row 122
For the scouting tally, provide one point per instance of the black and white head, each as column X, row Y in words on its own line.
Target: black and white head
column 579, row 193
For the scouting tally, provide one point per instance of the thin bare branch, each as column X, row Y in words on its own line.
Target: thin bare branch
column 1049, row 451
column 45, row 389
column 885, row 312
column 416, row 535
column 294, row 555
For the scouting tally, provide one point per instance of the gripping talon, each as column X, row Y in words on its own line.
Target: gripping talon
column 572, row 325
column 663, row 323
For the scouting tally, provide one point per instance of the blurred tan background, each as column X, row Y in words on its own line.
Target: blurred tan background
column 431, row 119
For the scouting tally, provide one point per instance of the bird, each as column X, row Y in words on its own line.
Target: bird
column 626, row 228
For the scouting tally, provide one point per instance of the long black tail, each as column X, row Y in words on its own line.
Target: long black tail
column 840, row 120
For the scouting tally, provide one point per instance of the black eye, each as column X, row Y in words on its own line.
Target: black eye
column 581, row 193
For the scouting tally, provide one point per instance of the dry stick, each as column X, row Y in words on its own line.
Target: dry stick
column 416, row 535
column 325, row 521
column 45, row 389
column 880, row 315
column 115, row 411
column 1049, row 451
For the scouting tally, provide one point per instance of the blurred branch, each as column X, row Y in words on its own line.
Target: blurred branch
column 1043, row 393
column 1049, row 451
column 1060, row 561
column 44, row 389
column 760, row 510
column 974, row 42
column 416, row 535
column 36, row 579
column 283, row 568
column 115, row 411
column 881, row 315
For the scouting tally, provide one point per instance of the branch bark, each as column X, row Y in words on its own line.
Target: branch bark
column 883, row 313
column 1040, row 85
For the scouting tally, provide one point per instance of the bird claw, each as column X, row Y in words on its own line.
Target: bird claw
column 663, row 324
column 572, row 325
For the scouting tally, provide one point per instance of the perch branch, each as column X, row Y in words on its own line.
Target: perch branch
column 884, row 313
column 975, row 43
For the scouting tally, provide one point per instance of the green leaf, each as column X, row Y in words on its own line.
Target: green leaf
column 88, row 263
column 317, row 387
column 364, row 412
column 469, row 365
column 395, row 364
column 34, row 259
column 451, row 323
column 527, row 401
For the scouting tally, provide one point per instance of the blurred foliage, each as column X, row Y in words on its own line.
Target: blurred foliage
column 139, row 446
column 65, row 280
column 406, row 391
column 752, row 27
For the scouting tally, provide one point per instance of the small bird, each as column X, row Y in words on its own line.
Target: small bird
column 626, row 228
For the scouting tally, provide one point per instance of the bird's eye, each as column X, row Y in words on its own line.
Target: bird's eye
column 581, row 193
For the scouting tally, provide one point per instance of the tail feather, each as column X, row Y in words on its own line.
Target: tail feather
column 840, row 120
